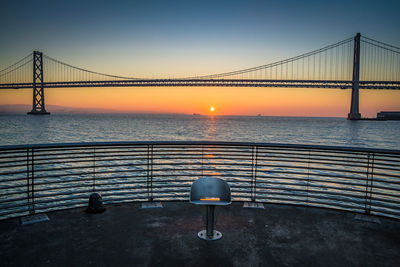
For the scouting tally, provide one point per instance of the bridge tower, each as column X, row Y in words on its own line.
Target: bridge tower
column 38, row 107
column 354, row 109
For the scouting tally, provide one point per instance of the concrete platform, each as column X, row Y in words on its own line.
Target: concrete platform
column 126, row 235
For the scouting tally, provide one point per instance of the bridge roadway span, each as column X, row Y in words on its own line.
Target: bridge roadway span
column 382, row 85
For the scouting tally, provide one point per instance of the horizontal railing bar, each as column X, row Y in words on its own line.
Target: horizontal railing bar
column 124, row 193
column 310, row 174
column 310, row 192
column 385, row 212
column 80, row 192
column 2, row 201
column 381, row 205
column 386, row 158
column 86, row 149
column 333, row 162
column 198, row 163
column 89, row 153
column 334, row 187
column 185, row 158
column 123, row 182
column 385, row 203
column 309, row 161
column 4, row 215
column 13, row 187
column 311, row 168
column 361, row 197
column 314, row 148
column 18, row 154
column 14, row 166
column 88, row 167
column 308, row 179
column 278, row 160
column 89, row 172
column 90, row 179
column 61, row 160
column 12, row 180
column 185, row 151
column 355, row 198
column 314, row 185
column 45, row 200
column 200, row 143
column 37, row 190
column 103, row 191
column 123, row 165
column 312, row 155
column 311, row 202
column 104, row 172
column 76, row 204
column 376, row 179
column 259, row 176
column 259, row 182
column 47, row 162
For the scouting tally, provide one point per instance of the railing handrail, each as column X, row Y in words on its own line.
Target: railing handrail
column 40, row 177
column 206, row 143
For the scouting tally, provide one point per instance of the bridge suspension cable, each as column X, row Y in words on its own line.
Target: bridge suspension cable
column 60, row 71
column 379, row 61
column 19, row 72
column 321, row 64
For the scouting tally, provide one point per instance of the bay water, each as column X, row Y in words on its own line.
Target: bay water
column 65, row 128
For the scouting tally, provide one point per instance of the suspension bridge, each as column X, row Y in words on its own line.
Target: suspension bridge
column 355, row 63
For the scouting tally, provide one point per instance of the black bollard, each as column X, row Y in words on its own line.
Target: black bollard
column 95, row 204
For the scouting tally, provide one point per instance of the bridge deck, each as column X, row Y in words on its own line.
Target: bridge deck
column 329, row 84
column 126, row 235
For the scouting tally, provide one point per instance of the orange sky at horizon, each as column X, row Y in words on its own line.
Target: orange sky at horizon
column 226, row 100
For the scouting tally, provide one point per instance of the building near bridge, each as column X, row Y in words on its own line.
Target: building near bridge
column 388, row 115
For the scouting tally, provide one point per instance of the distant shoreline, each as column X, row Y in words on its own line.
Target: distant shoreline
column 22, row 109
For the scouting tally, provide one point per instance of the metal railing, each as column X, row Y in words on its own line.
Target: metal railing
column 40, row 178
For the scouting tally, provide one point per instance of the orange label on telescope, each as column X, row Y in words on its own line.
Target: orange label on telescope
column 210, row 199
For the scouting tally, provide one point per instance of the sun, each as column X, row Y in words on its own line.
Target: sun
column 212, row 109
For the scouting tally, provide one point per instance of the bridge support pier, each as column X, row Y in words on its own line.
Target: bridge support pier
column 354, row 107
column 38, row 107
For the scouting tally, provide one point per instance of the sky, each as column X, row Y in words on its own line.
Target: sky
column 182, row 38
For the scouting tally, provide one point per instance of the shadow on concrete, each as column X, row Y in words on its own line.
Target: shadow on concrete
column 126, row 235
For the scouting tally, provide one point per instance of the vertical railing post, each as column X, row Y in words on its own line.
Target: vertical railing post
column 202, row 161
column 308, row 174
column 30, row 174
column 150, row 172
column 94, row 170
column 254, row 157
column 255, row 175
column 368, row 183
column 371, row 183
